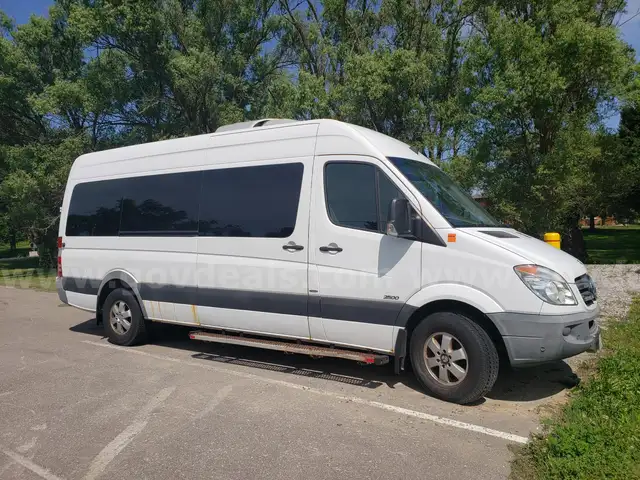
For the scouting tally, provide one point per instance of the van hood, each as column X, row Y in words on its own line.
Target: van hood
column 531, row 250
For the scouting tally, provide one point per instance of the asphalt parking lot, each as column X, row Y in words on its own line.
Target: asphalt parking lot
column 73, row 406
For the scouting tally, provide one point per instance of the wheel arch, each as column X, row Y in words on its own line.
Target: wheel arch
column 113, row 280
column 456, row 298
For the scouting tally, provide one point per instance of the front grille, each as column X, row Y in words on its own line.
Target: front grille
column 587, row 288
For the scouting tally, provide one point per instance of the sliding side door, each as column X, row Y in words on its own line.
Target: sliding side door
column 253, row 247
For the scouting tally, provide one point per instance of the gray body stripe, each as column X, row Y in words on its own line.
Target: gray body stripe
column 256, row 301
column 155, row 292
column 359, row 310
column 81, row 285
column 314, row 306
column 377, row 312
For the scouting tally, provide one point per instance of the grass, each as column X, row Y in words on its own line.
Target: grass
column 613, row 244
column 25, row 273
column 18, row 270
column 22, row 250
column 597, row 434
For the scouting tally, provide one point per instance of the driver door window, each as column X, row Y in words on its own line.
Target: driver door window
column 358, row 195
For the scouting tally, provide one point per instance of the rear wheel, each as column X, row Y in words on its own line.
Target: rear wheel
column 453, row 357
column 124, row 323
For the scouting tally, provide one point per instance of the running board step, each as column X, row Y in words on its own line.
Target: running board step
column 313, row 350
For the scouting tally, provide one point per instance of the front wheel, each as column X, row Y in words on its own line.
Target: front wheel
column 453, row 357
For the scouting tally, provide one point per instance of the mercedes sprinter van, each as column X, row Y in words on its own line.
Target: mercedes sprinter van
column 316, row 235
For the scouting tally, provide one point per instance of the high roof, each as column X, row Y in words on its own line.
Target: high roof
column 333, row 138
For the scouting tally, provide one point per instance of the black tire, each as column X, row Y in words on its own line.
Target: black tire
column 137, row 332
column 481, row 367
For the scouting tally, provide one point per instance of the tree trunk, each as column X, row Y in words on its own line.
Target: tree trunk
column 592, row 222
column 12, row 242
column 48, row 249
column 573, row 243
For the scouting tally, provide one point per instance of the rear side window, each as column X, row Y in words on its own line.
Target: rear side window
column 161, row 204
column 251, row 201
column 358, row 195
column 95, row 208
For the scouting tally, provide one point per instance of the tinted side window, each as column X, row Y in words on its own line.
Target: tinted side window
column 350, row 190
column 161, row 204
column 359, row 195
column 250, row 201
column 95, row 208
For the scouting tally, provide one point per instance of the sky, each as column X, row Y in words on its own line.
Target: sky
column 21, row 10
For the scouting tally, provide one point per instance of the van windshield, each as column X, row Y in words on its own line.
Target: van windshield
column 449, row 199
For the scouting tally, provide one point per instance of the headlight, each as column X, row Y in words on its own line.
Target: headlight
column 546, row 284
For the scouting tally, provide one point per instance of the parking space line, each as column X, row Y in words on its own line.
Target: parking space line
column 215, row 401
column 361, row 401
column 29, row 465
column 115, row 446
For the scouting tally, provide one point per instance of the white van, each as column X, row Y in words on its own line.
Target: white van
column 325, row 235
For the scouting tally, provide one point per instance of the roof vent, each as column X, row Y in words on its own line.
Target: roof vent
column 253, row 124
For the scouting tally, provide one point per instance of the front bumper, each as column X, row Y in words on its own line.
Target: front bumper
column 534, row 339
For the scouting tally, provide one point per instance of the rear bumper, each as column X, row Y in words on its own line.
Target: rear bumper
column 535, row 339
column 62, row 294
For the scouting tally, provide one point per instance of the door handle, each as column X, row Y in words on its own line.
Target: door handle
column 292, row 247
column 332, row 248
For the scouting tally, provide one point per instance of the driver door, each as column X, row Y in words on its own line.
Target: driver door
column 359, row 277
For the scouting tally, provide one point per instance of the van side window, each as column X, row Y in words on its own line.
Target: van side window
column 161, row 204
column 358, row 195
column 350, row 190
column 94, row 209
column 257, row 201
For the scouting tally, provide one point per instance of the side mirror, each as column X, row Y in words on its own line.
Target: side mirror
column 399, row 223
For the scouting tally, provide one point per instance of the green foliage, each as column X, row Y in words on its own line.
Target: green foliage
column 32, row 190
column 597, row 434
column 505, row 95
column 626, row 197
column 542, row 79
column 22, row 250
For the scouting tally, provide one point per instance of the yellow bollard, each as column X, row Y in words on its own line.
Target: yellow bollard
column 553, row 239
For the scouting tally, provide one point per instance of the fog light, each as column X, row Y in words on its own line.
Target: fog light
column 566, row 331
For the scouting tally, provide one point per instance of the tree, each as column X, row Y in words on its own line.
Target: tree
column 625, row 198
column 506, row 95
column 544, row 70
column 183, row 67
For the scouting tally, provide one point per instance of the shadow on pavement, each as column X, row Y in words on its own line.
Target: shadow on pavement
column 533, row 383
column 519, row 385
column 89, row 326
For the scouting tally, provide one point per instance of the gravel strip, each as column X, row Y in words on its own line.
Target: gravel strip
column 616, row 284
